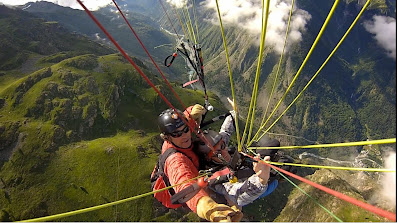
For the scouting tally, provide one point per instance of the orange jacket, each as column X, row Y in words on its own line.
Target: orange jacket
column 182, row 166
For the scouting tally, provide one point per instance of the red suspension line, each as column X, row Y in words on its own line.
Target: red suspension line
column 192, row 128
column 155, row 64
column 368, row 207
column 147, row 52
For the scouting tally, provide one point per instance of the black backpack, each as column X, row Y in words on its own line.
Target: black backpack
column 160, row 180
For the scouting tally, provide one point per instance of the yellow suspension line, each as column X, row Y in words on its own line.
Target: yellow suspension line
column 322, row 66
column 258, row 69
column 180, row 21
column 303, row 64
column 326, row 167
column 254, row 88
column 188, row 24
column 231, row 79
column 85, row 210
column 360, row 143
column 189, row 36
column 335, row 167
column 195, row 21
column 279, row 63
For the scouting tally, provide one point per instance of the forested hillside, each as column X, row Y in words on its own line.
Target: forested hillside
column 78, row 126
column 341, row 103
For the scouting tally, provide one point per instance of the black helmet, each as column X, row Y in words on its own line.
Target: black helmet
column 169, row 121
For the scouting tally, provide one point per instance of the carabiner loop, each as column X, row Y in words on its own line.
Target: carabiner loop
column 172, row 59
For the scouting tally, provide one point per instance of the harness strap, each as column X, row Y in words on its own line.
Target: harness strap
column 184, row 52
column 217, row 118
column 160, row 168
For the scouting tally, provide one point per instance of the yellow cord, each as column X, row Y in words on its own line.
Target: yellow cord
column 360, row 143
column 251, row 111
column 231, row 79
column 187, row 18
column 279, row 63
column 325, row 167
column 318, row 71
column 303, row 64
column 335, row 167
column 180, row 21
column 85, row 210
column 195, row 21
column 258, row 69
column 190, row 24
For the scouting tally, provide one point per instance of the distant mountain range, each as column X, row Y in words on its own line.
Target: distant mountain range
column 72, row 114
column 358, row 67
column 77, row 126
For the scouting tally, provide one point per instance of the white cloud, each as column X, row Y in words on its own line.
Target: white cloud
column 389, row 180
column 247, row 14
column 384, row 29
column 98, row 37
column 178, row 3
column 90, row 4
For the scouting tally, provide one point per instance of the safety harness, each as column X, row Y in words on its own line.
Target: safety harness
column 160, row 180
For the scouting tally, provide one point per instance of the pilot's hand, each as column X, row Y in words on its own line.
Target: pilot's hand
column 262, row 170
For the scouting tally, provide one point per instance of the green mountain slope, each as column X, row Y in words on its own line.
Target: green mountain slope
column 345, row 211
column 82, row 175
column 342, row 87
column 49, row 109
column 338, row 99
column 78, row 110
column 80, row 130
column 24, row 34
column 144, row 25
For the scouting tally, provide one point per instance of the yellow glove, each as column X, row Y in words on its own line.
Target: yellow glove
column 212, row 211
column 238, row 216
column 197, row 113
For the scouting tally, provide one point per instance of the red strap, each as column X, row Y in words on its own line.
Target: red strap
column 189, row 83
column 220, row 173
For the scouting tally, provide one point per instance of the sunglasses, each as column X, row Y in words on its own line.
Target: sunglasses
column 178, row 134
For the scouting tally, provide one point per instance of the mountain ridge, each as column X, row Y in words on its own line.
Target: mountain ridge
column 86, row 116
column 73, row 91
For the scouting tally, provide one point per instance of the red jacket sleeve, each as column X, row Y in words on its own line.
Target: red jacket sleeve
column 180, row 168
